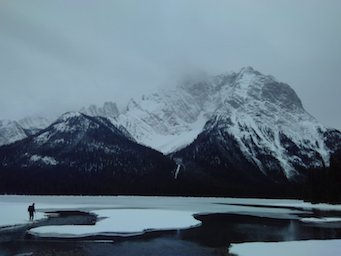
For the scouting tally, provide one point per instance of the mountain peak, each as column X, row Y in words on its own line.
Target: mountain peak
column 252, row 87
column 248, row 69
column 70, row 115
column 250, row 74
column 10, row 131
column 109, row 109
column 35, row 122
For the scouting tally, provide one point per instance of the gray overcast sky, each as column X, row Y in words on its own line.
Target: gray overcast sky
column 62, row 55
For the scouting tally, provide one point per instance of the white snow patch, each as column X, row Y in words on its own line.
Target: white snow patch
column 123, row 221
column 45, row 159
column 293, row 248
column 161, row 137
column 177, row 171
column 244, row 83
column 42, row 138
column 63, row 127
column 310, row 206
column 57, row 141
column 321, row 220
column 68, row 115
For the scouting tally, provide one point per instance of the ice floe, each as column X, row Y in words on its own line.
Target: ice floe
column 293, row 248
column 123, row 222
column 321, row 220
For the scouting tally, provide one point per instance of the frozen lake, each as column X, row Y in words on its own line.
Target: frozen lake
column 137, row 225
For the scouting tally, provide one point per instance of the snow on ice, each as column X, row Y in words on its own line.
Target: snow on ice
column 292, row 248
column 130, row 221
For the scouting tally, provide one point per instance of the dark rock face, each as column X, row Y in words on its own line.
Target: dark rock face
column 282, row 95
column 332, row 139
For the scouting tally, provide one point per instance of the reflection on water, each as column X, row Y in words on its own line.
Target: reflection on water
column 221, row 229
column 165, row 246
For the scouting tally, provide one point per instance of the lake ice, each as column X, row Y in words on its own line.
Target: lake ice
column 131, row 215
column 311, row 248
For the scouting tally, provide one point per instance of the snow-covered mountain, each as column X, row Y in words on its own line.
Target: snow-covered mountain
column 109, row 110
column 261, row 122
column 11, row 131
column 73, row 131
column 86, row 150
column 169, row 119
column 35, row 123
column 265, row 117
column 235, row 121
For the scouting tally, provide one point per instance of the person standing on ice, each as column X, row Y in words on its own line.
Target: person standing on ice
column 31, row 210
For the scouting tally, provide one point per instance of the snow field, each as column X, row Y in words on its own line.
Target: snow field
column 120, row 221
column 16, row 214
column 293, row 248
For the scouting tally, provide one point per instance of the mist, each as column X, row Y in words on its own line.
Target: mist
column 58, row 56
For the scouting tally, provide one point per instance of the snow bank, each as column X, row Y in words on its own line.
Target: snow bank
column 310, row 206
column 311, row 248
column 124, row 221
